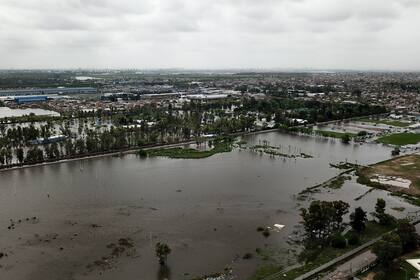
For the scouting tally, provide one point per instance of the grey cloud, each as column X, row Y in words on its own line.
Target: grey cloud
column 212, row 33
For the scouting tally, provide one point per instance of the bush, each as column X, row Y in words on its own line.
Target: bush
column 142, row 153
column 396, row 151
column 338, row 241
column 380, row 275
column 353, row 239
column 345, row 139
column 362, row 133
column 247, row 256
column 266, row 232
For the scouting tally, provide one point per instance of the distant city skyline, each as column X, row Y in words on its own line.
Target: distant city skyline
column 283, row 35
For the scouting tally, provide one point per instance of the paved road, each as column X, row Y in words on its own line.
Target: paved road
column 338, row 260
column 345, row 270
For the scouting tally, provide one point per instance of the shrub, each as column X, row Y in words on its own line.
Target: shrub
column 266, row 232
column 338, row 241
column 362, row 133
column 247, row 256
column 142, row 153
column 353, row 239
column 396, row 151
column 380, row 275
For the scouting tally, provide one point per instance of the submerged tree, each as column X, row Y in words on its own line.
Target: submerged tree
column 358, row 219
column 383, row 218
column 162, row 251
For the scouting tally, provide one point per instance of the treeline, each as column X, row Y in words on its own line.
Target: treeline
column 152, row 125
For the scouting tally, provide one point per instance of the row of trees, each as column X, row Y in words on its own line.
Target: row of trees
column 158, row 125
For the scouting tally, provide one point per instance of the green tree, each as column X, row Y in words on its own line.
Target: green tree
column 358, row 219
column 408, row 235
column 387, row 249
column 162, row 251
column 383, row 218
column 20, row 155
column 322, row 219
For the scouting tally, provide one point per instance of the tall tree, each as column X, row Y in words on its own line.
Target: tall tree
column 322, row 219
column 408, row 235
column 383, row 218
column 358, row 219
column 387, row 249
column 19, row 154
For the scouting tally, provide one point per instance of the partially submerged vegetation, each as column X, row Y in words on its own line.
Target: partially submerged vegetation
column 344, row 165
column 337, row 182
column 334, row 183
column 277, row 151
column 221, row 145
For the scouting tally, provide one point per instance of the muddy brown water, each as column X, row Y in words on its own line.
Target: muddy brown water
column 207, row 210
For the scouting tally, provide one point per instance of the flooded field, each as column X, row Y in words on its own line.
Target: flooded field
column 7, row 112
column 67, row 218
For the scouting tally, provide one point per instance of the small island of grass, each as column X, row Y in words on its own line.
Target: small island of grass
column 221, row 145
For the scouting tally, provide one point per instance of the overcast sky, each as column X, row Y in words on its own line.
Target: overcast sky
column 333, row 34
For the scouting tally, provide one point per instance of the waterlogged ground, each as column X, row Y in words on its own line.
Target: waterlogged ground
column 100, row 218
column 7, row 112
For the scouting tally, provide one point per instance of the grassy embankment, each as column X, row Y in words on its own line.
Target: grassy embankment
column 324, row 255
column 387, row 122
column 400, row 139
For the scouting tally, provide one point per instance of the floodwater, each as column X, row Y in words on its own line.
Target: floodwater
column 207, row 210
column 8, row 112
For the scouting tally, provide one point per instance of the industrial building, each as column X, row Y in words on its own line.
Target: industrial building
column 47, row 91
column 30, row 99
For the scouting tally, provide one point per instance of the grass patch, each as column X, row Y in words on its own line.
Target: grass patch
column 400, row 139
column 265, row 271
column 334, row 134
column 387, row 122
